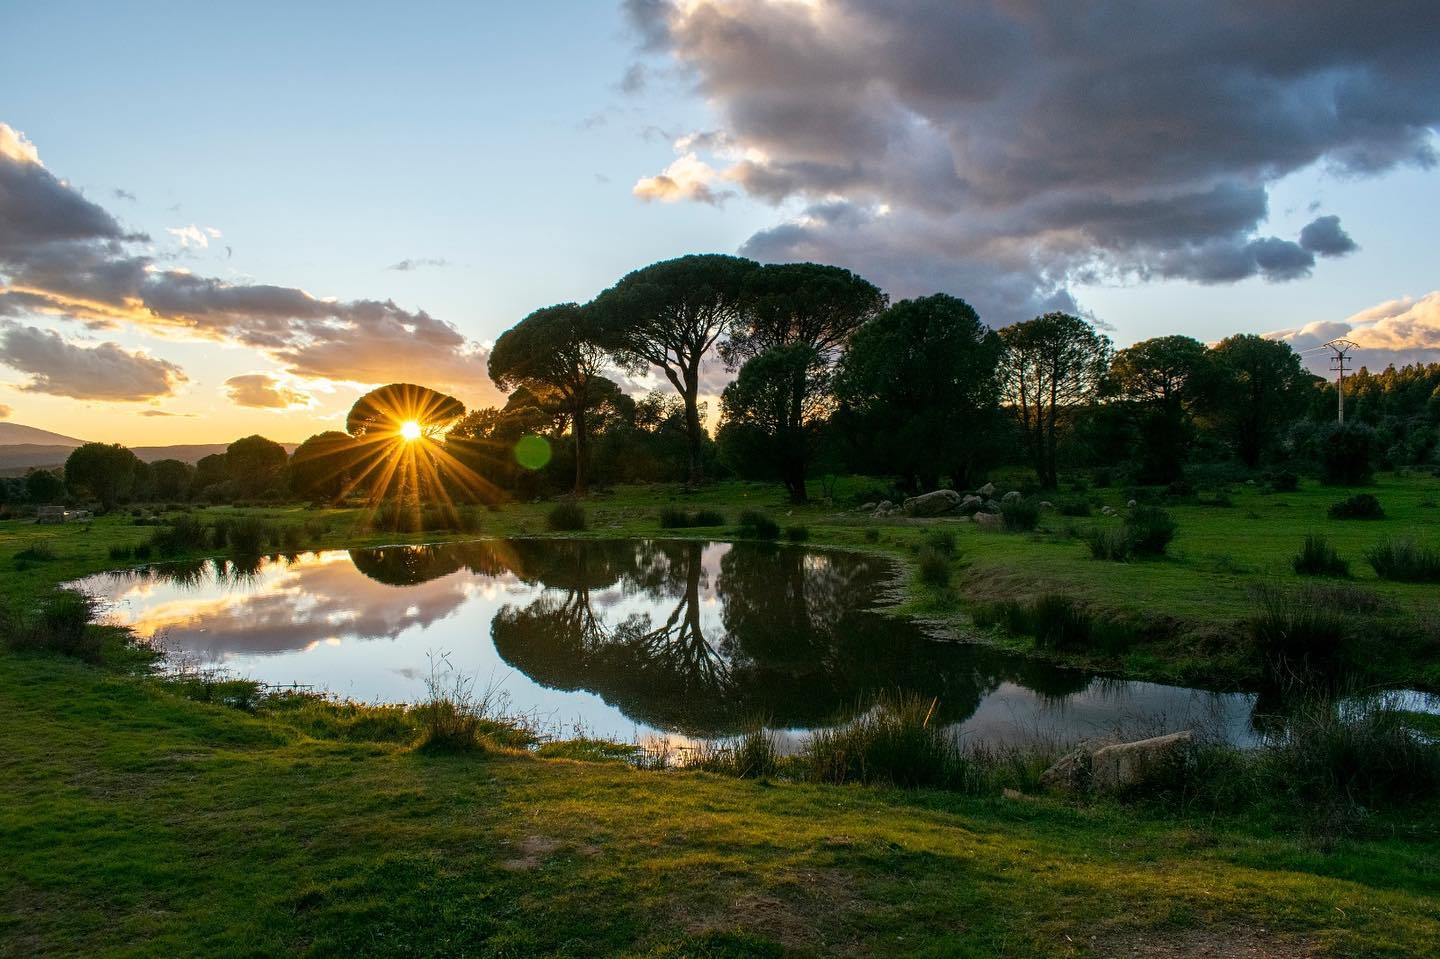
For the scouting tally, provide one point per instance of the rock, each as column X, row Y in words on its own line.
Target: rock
column 868, row 507
column 987, row 491
column 1107, row 511
column 989, row 506
column 1122, row 765
column 989, row 520
column 1069, row 773
column 883, row 508
column 1130, row 505
column 1046, row 504
column 969, row 505
column 1011, row 497
column 933, row 504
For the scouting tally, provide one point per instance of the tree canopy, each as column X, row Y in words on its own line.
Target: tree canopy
column 105, row 471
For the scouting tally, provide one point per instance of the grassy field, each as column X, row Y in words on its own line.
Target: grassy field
column 137, row 821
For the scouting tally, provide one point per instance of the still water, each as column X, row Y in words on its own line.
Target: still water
column 626, row 639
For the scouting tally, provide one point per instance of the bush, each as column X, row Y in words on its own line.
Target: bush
column 896, row 743
column 567, row 517
column 1020, row 515
column 184, row 534
column 1284, row 481
column 1108, row 543
column 1359, row 506
column 941, row 540
column 38, row 552
column 1345, row 453
column 1300, row 634
column 1318, row 558
column 671, row 518
column 248, row 535
column 1405, row 561
column 60, row 624
column 934, row 566
column 1058, row 622
column 1073, row 506
column 797, row 534
column 872, row 535
column 1149, row 530
column 756, row 525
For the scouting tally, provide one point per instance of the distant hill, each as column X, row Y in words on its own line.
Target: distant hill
column 14, row 434
column 25, row 447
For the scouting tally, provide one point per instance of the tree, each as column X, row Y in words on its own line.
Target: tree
column 670, row 315
column 382, row 413
column 918, row 388
column 320, row 467
column 1053, row 365
column 555, row 347
column 1166, row 377
column 1260, row 388
column 807, row 303
column 398, row 428
column 209, row 470
column 771, row 409
column 255, row 464
column 43, row 486
column 171, row 478
column 104, row 471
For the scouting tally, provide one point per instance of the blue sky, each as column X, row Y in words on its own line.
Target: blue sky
column 317, row 145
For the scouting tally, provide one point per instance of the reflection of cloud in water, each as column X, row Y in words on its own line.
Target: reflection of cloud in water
column 292, row 604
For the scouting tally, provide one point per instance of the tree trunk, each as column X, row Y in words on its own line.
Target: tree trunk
column 582, row 449
column 695, row 433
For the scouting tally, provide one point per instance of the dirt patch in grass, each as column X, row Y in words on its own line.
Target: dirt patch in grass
column 805, row 909
column 532, row 851
column 1209, row 942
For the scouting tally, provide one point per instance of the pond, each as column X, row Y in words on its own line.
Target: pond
column 626, row 639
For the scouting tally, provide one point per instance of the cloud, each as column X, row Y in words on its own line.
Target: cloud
column 1324, row 237
column 124, row 195
column 5, row 412
column 405, row 266
column 263, row 391
column 63, row 255
column 634, row 80
column 165, row 413
column 104, row 372
column 1034, row 146
column 1400, row 331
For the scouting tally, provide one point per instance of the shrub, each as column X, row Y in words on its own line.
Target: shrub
column 756, row 525
column 941, row 540
column 671, row 518
column 896, row 743
column 1059, row 622
column 1073, row 506
column 1149, row 530
column 1020, row 515
column 1284, row 481
column 38, row 552
column 797, row 534
column 1359, row 506
column 1300, row 634
column 1318, row 558
column 872, row 535
column 248, row 535
column 60, row 624
column 1404, row 560
column 934, row 566
column 566, row 517
column 1108, row 543
column 1345, row 451
column 184, row 534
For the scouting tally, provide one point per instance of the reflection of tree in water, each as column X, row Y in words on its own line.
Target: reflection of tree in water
column 798, row 646
column 412, row 565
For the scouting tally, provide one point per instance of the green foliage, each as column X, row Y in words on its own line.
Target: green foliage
column 1059, row 622
column 1020, row 515
column 1165, row 379
column 897, row 742
column 171, row 479
column 40, row 551
column 672, row 518
column 566, row 517
column 59, row 623
column 754, row 524
column 1301, row 634
column 1345, row 453
column 1318, row 558
column 322, row 466
column 43, row 486
column 1404, row 560
column 1284, row 481
column 1359, row 506
column 934, row 566
column 106, row 472
column 1149, row 530
column 770, row 413
column 1108, row 543
column 255, row 465
column 184, row 534
column 1074, row 506
column 797, row 534
column 941, row 541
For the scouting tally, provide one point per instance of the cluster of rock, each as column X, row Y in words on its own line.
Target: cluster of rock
column 1113, row 767
column 947, row 502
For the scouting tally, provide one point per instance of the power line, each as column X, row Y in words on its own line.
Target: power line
column 1341, row 350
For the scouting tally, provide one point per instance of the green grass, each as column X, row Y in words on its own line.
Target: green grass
column 138, row 822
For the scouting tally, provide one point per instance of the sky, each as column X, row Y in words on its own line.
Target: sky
column 222, row 219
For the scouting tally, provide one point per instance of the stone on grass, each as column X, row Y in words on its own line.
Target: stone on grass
column 987, row 491
column 939, row 502
column 1011, row 497
column 1117, row 767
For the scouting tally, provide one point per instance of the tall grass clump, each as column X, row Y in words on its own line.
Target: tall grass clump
column 754, row 524
column 1108, row 543
column 1302, row 634
column 248, row 535
column 1059, row 622
column 934, row 566
column 453, row 717
column 566, row 517
column 38, row 552
column 1404, row 560
column 184, row 534
column 898, row 742
column 1020, row 515
column 59, row 624
column 1318, row 558
column 1359, row 506
column 941, row 540
column 797, row 534
column 672, row 518
column 1149, row 530
column 755, row 755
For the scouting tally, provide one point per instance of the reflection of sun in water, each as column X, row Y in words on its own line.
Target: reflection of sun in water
column 410, row 430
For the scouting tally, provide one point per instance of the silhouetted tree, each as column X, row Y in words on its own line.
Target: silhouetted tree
column 321, row 467
column 383, row 412
column 1260, row 388
column 1166, row 378
column 670, row 315
column 918, row 388
column 255, row 464
column 43, row 486
column 1053, row 365
column 556, row 348
column 170, row 479
column 769, row 413
column 104, row 471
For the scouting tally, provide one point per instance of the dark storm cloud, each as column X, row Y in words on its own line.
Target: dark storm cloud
column 1325, row 237
column 62, row 255
column 1047, row 140
column 104, row 372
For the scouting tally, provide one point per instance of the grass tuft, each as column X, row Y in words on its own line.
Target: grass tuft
column 566, row 517
column 1405, row 561
column 1359, row 506
column 756, row 525
column 1318, row 558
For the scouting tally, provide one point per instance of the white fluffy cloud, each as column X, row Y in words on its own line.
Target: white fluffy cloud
column 1398, row 332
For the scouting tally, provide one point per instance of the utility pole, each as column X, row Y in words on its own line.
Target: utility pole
column 1341, row 349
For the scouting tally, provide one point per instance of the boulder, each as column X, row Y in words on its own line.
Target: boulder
column 987, row 491
column 1130, row 505
column 1117, row 767
column 970, row 505
column 989, row 506
column 933, row 504
column 883, row 508
column 868, row 507
column 1069, row 773
column 1046, row 504
column 989, row 520
column 1012, row 496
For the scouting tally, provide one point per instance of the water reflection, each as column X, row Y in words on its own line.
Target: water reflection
column 701, row 639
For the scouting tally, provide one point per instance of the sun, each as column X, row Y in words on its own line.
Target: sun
column 409, row 430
